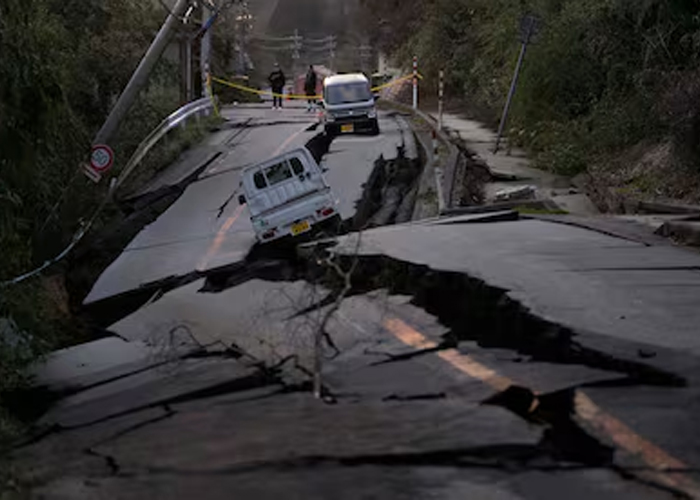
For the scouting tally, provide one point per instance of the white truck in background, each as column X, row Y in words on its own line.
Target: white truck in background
column 287, row 196
column 349, row 105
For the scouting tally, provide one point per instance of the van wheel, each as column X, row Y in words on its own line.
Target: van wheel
column 374, row 127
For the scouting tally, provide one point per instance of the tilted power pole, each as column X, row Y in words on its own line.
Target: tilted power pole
column 140, row 77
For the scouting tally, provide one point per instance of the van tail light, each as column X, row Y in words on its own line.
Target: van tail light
column 270, row 233
column 325, row 212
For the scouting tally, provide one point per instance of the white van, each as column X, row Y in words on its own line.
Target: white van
column 349, row 105
column 287, row 196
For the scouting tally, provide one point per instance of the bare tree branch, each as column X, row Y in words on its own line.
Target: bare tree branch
column 321, row 332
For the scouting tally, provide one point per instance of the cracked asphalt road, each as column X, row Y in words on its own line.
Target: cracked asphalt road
column 469, row 360
column 201, row 231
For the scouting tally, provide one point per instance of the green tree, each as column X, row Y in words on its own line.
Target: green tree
column 601, row 75
column 62, row 65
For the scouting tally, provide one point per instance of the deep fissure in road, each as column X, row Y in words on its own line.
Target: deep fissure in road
column 476, row 311
column 389, row 195
column 470, row 308
column 388, row 198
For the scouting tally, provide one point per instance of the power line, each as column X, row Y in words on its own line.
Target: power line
column 77, row 237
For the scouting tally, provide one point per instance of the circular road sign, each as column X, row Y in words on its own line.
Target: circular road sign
column 102, row 157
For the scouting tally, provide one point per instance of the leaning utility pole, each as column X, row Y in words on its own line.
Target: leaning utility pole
column 140, row 77
column 529, row 26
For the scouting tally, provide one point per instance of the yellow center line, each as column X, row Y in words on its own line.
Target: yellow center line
column 659, row 461
column 289, row 140
column 462, row 362
column 623, row 435
column 476, row 370
column 221, row 234
column 220, row 237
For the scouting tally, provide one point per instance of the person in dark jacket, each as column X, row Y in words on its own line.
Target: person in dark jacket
column 277, row 81
column 310, row 88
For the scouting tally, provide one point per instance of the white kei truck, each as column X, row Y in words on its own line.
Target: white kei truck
column 287, row 196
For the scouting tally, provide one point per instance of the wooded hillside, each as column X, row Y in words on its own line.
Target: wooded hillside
column 609, row 87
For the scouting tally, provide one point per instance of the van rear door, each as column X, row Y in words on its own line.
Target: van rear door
column 283, row 180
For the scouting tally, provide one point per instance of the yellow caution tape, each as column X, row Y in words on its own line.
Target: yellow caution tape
column 395, row 82
column 263, row 92
column 296, row 96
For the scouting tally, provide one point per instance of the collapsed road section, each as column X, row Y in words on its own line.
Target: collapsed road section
column 206, row 229
column 449, row 345
column 369, row 175
column 401, row 335
column 368, row 374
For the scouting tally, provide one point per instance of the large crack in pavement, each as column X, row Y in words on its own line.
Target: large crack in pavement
column 510, row 457
column 142, row 211
column 563, row 438
column 387, row 199
column 263, row 376
column 476, row 311
column 101, row 248
column 389, row 194
column 271, row 263
column 470, row 308
column 473, row 311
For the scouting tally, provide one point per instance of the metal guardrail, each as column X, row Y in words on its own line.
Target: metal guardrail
column 198, row 107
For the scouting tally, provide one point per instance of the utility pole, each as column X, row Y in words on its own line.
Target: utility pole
column 441, row 96
column 140, row 77
column 205, row 50
column 528, row 29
